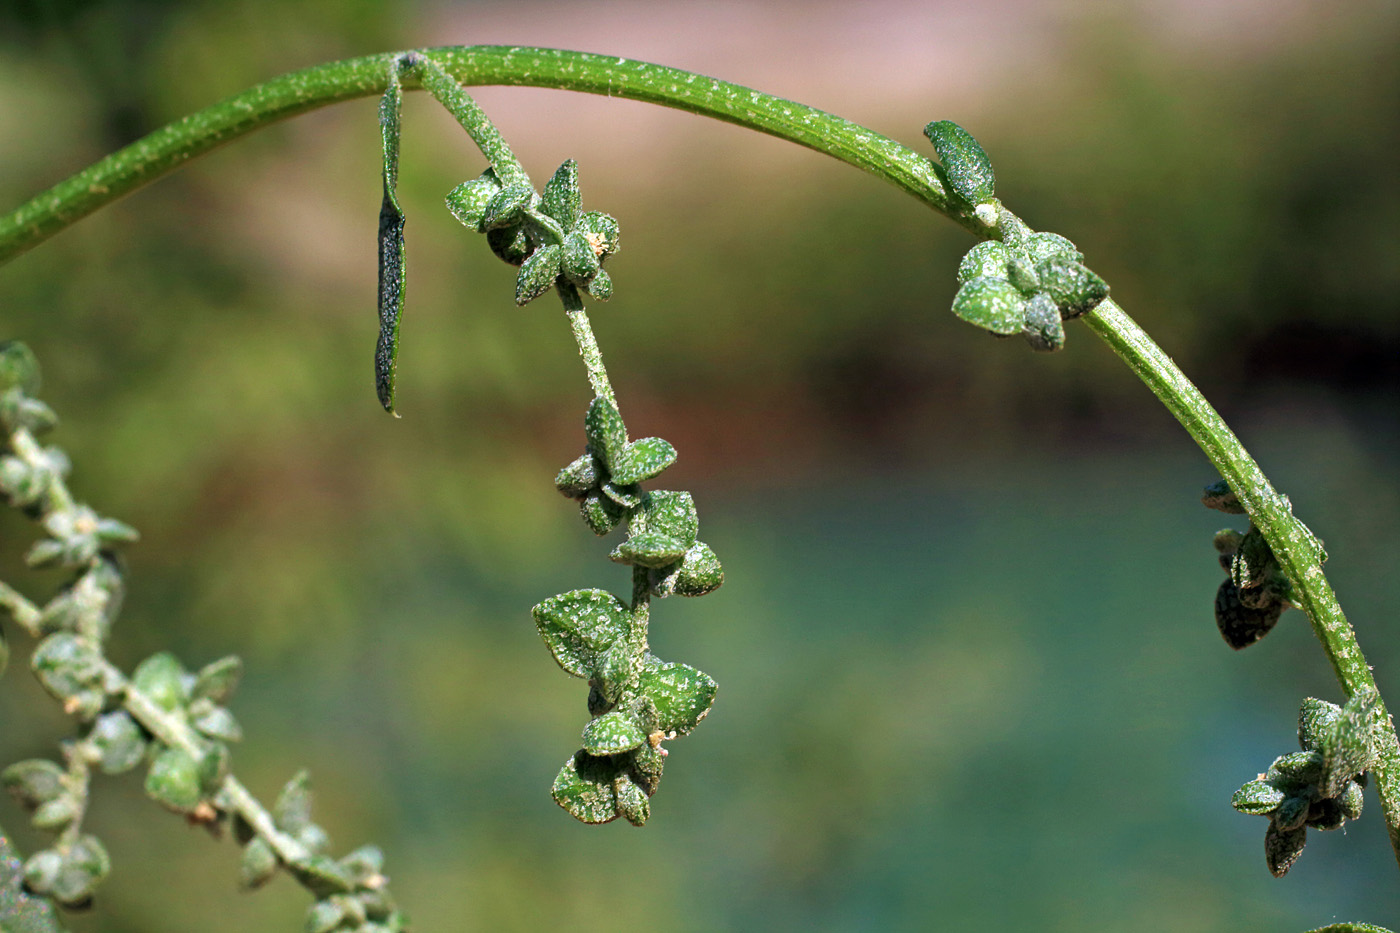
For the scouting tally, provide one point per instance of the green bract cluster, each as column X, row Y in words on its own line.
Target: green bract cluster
column 170, row 720
column 637, row 701
column 1320, row 786
column 1255, row 590
column 548, row 235
column 1026, row 285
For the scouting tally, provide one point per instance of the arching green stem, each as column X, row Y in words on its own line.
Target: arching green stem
column 287, row 96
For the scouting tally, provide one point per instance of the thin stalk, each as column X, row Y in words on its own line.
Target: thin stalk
column 587, row 344
column 171, row 146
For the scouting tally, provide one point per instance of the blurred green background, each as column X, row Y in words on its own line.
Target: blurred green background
column 969, row 677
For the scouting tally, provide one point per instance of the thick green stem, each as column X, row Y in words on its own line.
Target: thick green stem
column 171, row 146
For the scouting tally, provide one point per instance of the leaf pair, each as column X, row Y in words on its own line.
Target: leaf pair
column 605, row 479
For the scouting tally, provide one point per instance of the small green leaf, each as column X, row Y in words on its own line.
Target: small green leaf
column 632, row 803
column 1075, row 289
column 324, row 916
column 601, row 513
column 1039, row 247
column 18, row 412
column 119, row 741
column 1253, row 560
column 681, row 694
column 537, row 274
column 1316, row 719
column 988, row 259
column 1349, row 928
column 560, row 197
column 468, row 201
column 601, row 287
column 321, row 876
column 174, row 780
column 19, row 368
column 967, row 167
column 33, row 783
column 73, row 672
column 616, row 669
column 991, row 304
column 1042, row 329
column 42, row 870
column 580, row 626
column 578, row 478
column 584, row 787
column 1023, row 275
column 365, row 864
column 161, row 677
column 216, row 722
column 292, row 811
column 629, row 497
column 1258, row 798
column 1240, row 625
column 507, row 207
column 258, row 864
column 605, row 430
column 612, row 734
column 1351, row 800
column 1282, row 848
column 653, row 549
column 84, row 866
column 642, row 460
column 217, row 680
column 1296, row 770
column 698, row 573
column 56, row 814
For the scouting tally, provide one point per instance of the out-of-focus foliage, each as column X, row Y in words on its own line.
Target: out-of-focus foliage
column 1003, row 614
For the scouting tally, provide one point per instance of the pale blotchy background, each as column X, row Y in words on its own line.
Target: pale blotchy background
column 969, row 677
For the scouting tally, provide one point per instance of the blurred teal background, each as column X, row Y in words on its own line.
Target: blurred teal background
column 969, row 677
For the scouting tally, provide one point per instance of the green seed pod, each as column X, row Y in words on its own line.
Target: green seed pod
column 612, row 734
column 1240, row 625
column 1257, row 798
column 1282, row 848
column 1076, row 289
column 992, row 304
column 578, row 262
column 988, row 259
column 966, row 166
column 537, row 274
column 1042, row 328
column 174, row 780
column 258, row 864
